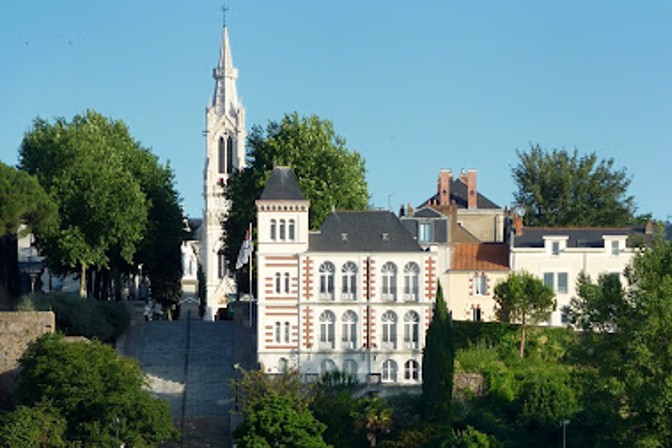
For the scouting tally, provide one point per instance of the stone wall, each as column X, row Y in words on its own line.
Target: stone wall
column 17, row 330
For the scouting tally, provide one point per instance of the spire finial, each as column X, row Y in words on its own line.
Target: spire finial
column 224, row 9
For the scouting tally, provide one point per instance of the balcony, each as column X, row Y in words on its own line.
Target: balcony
column 389, row 297
column 327, row 296
column 390, row 345
column 326, row 345
column 413, row 297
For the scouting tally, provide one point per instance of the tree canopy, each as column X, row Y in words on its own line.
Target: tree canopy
column 117, row 205
column 522, row 298
column 558, row 188
column 98, row 393
column 329, row 174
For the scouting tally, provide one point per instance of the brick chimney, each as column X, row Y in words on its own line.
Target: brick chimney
column 517, row 224
column 443, row 186
column 472, row 192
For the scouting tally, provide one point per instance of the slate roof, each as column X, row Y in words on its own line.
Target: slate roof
column 480, row 257
column 577, row 237
column 365, row 231
column 458, row 193
column 282, row 185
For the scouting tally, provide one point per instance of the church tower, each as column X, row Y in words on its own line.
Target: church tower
column 225, row 153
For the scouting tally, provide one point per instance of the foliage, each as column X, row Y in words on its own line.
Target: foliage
column 104, row 321
column 374, row 417
column 336, row 409
column 558, row 188
column 117, row 206
column 254, row 385
column 437, row 363
column 525, row 299
column 275, row 421
column 475, row 357
column 40, row 426
column 471, row 438
column 99, row 394
column 330, row 175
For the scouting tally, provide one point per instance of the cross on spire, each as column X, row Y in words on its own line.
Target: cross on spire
column 224, row 9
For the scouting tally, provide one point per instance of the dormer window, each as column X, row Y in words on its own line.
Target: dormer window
column 615, row 248
column 344, row 237
column 386, row 237
column 425, row 233
column 555, row 248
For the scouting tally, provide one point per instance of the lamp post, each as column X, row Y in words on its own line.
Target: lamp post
column 564, row 424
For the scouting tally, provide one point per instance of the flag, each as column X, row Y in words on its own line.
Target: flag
column 245, row 249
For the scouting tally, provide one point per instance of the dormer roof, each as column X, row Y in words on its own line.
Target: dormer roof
column 282, row 185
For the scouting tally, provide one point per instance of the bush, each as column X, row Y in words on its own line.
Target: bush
column 476, row 357
column 104, row 321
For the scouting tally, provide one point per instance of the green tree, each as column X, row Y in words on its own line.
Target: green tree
column 522, row 298
column 373, row 416
column 330, row 175
column 40, row 426
column 558, row 188
column 275, row 421
column 438, row 360
column 22, row 201
column 253, row 385
column 99, row 393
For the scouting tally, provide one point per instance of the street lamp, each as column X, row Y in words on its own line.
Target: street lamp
column 564, row 424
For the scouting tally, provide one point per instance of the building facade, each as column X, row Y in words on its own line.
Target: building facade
column 225, row 153
column 356, row 296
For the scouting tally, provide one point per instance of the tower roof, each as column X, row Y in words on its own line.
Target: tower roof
column 225, row 98
column 282, row 185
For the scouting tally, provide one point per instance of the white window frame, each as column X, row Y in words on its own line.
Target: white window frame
column 412, row 370
column 479, row 284
column 389, row 336
column 349, row 330
column 389, row 280
column 412, row 330
column 425, row 232
column 327, row 330
column 411, row 282
column 390, row 371
column 291, row 230
column 349, row 281
column 274, row 229
column 327, row 279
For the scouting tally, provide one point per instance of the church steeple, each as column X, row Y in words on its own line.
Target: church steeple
column 225, row 99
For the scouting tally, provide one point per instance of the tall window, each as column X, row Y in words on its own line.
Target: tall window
column 411, row 370
column 327, row 272
column 389, row 272
column 349, row 330
column 274, row 229
column 476, row 314
column 548, row 280
column 411, row 330
column 479, row 285
column 411, row 276
column 555, row 248
column 349, row 281
column 562, row 283
column 278, row 333
column 282, row 230
column 327, row 330
column 221, row 265
column 615, row 248
column 292, row 230
column 287, row 332
column 350, row 368
column 389, row 371
column 557, row 281
column 278, row 283
column 287, row 282
column 221, row 156
column 328, row 366
column 389, row 320
column 282, row 365
column 425, row 234
column 229, row 155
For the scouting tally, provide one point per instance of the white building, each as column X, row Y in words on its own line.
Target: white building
column 225, row 153
column 559, row 255
column 356, row 296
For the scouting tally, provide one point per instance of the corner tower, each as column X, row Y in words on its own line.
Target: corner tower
column 225, row 153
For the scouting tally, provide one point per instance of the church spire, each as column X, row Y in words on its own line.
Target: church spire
column 225, row 99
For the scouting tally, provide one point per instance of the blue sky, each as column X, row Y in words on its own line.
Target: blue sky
column 413, row 86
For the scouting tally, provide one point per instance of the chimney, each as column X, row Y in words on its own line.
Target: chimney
column 472, row 192
column 409, row 209
column 517, row 224
column 443, row 186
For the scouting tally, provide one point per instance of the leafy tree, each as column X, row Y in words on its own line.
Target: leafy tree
column 438, row 363
column 33, row 427
column 99, row 393
column 374, row 416
column 275, row 421
column 22, row 201
column 558, row 188
column 524, row 299
column 254, row 385
column 330, row 176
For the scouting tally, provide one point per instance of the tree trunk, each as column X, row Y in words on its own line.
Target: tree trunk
column 522, row 341
column 82, row 282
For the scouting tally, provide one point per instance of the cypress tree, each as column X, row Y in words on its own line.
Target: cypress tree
column 437, row 364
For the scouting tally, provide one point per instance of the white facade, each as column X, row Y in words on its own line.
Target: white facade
column 225, row 153
column 559, row 264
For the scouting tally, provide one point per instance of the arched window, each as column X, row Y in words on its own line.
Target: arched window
column 287, row 282
column 349, row 281
column 389, row 371
column 274, row 229
column 411, row 276
column 287, row 332
column 282, row 365
column 389, row 320
column 292, row 230
column 277, row 334
column 389, row 272
column 328, row 366
column 282, row 230
column 221, row 156
column 479, row 285
column 327, row 330
column 229, row 155
column 327, row 271
column 350, row 368
column 411, row 370
column 411, row 330
column 278, row 282
column 349, row 333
